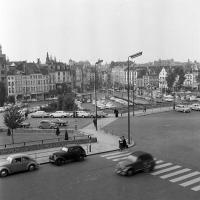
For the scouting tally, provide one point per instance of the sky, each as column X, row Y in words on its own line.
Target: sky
column 110, row 30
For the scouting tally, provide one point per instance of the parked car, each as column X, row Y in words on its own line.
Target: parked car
column 24, row 125
column 39, row 114
column 17, row 163
column 183, row 108
column 59, row 114
column 100, row 114
column 60, row 122
column 195, row 107
column 71, row 153
column 137, row 161
column 46, row 124
column 81, row 113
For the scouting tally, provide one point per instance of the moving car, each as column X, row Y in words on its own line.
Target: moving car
column 17, row 163
column 60, row 122
column 59, row 114
column 40, row 114
column 71, row 153
column 46, row 124
column 195, row 107
column 183, row 108
column 136, row 161
column 24, row 125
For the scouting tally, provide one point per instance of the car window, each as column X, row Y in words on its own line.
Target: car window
column 132, row 158
column 25, row 159
column 17, row 160
column 65, row 149
column 145, row 157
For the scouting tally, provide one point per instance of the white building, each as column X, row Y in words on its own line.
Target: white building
column 162, row 79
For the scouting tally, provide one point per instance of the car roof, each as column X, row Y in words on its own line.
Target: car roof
column 18, row 155
column 140, row 153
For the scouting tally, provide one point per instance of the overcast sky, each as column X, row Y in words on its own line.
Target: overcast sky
column 106, row 29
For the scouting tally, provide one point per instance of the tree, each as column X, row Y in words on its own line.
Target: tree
column 181, row 79
column 12, row 119
column 171, row 77
column 3, row 94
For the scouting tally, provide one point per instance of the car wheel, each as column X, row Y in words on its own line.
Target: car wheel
column 81, row 158
column 59, row 162
column 148, row 168
column 40, row 127
column 31, row 167
column 4, row 173
column 130, row 172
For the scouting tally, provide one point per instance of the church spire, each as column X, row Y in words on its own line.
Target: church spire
column 47, row 58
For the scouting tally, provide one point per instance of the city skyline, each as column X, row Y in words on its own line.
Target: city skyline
column 111, row 30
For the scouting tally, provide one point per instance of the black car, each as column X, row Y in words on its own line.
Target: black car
column 24, row 125
column 71, row 153
column 136, row 161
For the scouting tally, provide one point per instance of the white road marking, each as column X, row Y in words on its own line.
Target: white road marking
column 163, row 165
column 184, row 177
column 196, row 180
column 175, row 173
column 120, row 155
column 118, row 159
column 197, row 188
column 111, row 154
column 166, row 170
column 159, row 161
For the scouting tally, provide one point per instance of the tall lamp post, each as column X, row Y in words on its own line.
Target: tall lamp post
column 95, row 90
column 128, row 89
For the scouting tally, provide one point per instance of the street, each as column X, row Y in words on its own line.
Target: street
column 91, row 179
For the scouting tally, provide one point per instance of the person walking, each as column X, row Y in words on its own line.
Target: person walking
column 145, row 108
column 66, row 135
column 120, row 144
column 95, row 123
column 57, row 131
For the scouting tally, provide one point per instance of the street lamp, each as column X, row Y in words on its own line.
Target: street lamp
column 95, row 90
column 128, row 88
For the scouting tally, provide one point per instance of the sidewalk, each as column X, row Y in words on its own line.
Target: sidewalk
column 105, row 141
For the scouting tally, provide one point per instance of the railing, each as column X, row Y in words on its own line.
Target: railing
column 45, row 141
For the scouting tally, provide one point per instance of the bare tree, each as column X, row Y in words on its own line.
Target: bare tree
column 12, row 119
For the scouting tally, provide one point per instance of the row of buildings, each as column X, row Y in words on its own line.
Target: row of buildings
column 34, row 80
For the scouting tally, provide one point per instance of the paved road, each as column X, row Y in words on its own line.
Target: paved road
column 92, row 179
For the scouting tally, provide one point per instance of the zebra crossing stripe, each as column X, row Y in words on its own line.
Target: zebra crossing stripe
column 118, row 159
column 163, row 165
column 111, row 154
column 196, row 180
column 116, row 156
column 184, row 177
column 166, row 170
column 159, row 161
column 175, row 173
column 197, row 188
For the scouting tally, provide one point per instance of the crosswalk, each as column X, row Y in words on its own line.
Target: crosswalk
column 184, row 177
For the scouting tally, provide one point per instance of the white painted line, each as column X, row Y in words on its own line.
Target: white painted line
column 166, row 170
column 163, row 165
column 159, row 161
column 118, row 159
column 111, row 154
column 197, row 188
column 175, row 173
column 196, row 180
column 117, row 156
column 184, row 177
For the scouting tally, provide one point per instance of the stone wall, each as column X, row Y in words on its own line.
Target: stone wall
column 46, row 146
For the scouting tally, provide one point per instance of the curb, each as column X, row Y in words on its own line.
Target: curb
column 92, row 154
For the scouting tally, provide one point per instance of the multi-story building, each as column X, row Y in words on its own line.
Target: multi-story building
column 162, row 79
column 2, row 66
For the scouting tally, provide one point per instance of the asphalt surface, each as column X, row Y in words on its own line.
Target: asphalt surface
column 92, row 179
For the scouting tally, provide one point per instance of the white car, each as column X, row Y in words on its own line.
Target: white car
column 183, row 108
column 82, row 113
column 59, row 114
column 195, row 107
column 39, row 114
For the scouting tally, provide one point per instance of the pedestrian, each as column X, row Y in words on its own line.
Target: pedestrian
column 66, row 135
column 9, row 132
column 57, row 131
column 145, row 108
column 120, row 144
column 124, row 142
column 117, row 112
column 95, row 123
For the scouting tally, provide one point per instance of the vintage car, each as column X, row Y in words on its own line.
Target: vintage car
column 136, row 161
column 17, row 163
column 40, row 114
column 71, row 153
column 46, row 124
column 60, row 122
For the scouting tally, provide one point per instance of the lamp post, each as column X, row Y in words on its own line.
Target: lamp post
column 128, row 88
column 95, row 90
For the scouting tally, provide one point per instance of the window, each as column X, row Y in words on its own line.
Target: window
column 25, row 159
column 17, row 160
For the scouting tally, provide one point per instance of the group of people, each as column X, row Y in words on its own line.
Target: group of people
column 122, row 143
